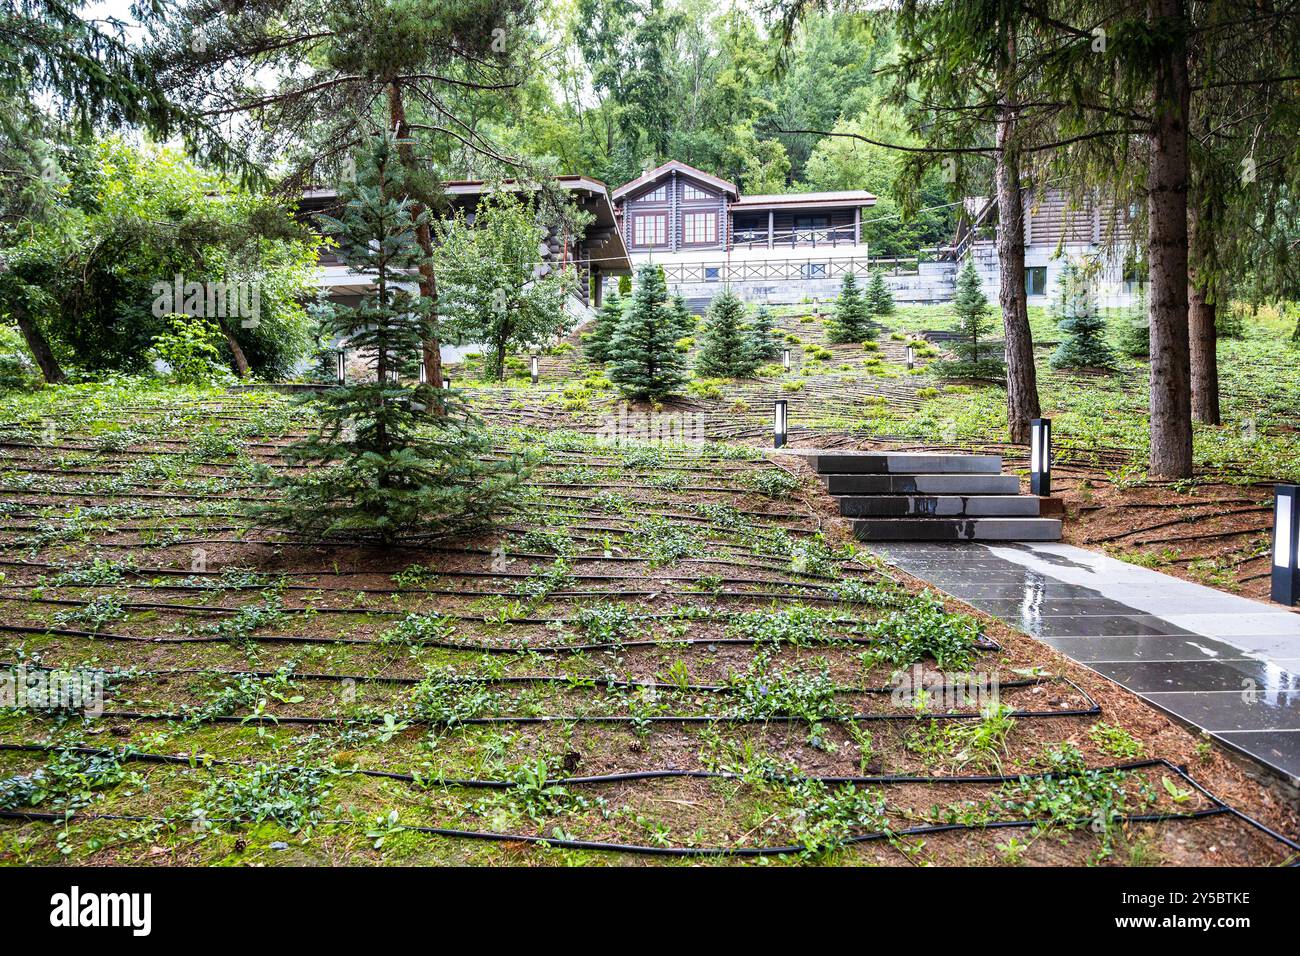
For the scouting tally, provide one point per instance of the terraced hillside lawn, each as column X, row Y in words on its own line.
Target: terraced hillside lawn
column 669, row 653
column 1213, row 529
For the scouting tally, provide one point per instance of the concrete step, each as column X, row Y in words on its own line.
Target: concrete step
column 957, row 529
column 938, row 506
column 906, row 463
column 928, row 484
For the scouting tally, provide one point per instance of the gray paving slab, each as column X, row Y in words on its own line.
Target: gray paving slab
column 1228, row 665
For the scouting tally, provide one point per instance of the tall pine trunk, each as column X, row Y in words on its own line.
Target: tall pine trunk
column 1167, row 181
column 1202, row 332
column 1022, row 378
column 428, row 282
column 37, row 344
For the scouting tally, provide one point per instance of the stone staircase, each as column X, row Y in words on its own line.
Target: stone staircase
column 923, row 497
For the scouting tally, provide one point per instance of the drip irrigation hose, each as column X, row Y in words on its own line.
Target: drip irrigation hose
column 1091, row 710
column 984, row 644
column 577, row 680
column 1220, row 807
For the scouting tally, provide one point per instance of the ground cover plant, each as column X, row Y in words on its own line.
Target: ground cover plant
column 269, row 699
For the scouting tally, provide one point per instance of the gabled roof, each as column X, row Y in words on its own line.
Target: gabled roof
column 674, row 166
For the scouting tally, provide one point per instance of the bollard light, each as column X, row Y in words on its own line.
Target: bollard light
column 424, row 372
column 911, row 356
column 779, row 423
column 1286, row 545
column 534, row 369
column 1040, row 456
column 342, row 357
column 785, row 359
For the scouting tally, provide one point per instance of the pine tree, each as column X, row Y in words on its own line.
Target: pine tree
column 975, row 359
column 644, row 361
column 1084, row 345
column 1135, row 328
column 596, row 342
column 852, row 319
column 378, row 469
column 879, row 297
column 726, row 348
column 763, row 342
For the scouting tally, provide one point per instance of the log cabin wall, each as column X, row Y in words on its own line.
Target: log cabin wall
column 675, row 212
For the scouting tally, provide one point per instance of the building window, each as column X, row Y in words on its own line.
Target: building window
column 811, row 228
column 695, row 193
column 650, row 230
column 813, row 270
column 699, row 227
column 711, row 274
column 658, row 195
column 1036, row 280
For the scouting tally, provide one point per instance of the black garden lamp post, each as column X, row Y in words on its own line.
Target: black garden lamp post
column 342, row 358
column 1286, row 544
column 911, row 356
column 1040, row 456
column 424, row 372
column 785, row 359
column 779, row 423
column 534, row 369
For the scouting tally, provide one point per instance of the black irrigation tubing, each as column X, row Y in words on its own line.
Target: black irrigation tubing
column 196, row 759
column 526, row 575
column 575, row 680
column 567, row 843
column 773, row 564
column 616, row 719
column 622, row 595
column 983, row 644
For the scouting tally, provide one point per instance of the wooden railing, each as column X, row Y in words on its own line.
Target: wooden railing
column 797, row 268
column 794, row 238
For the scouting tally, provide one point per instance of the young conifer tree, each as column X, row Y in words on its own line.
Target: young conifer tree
column 1078, row 316
column 1135, row 328
column 378, row 469
column 879, row 297
column 596, row 343
column 644, row 361
column 975, row 358
column 726, row 349
column 852, row 319
column 763, row 339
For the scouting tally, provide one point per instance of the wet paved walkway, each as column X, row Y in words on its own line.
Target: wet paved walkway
column 1224, row 663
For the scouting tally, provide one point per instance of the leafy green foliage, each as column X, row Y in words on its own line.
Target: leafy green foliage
column 190, row 346
column 488, row 290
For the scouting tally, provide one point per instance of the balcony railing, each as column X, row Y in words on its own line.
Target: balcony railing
column 796, row 268
column 794, row 238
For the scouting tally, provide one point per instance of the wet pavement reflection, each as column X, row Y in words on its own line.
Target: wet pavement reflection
column 1226, row 664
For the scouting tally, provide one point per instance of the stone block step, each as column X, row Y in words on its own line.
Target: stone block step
column 957, row 529
column 905, row 463
column 928, row 484
column 938, row 506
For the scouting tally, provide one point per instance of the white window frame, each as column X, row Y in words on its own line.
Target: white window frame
column 699, row 228
column 650, row 229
